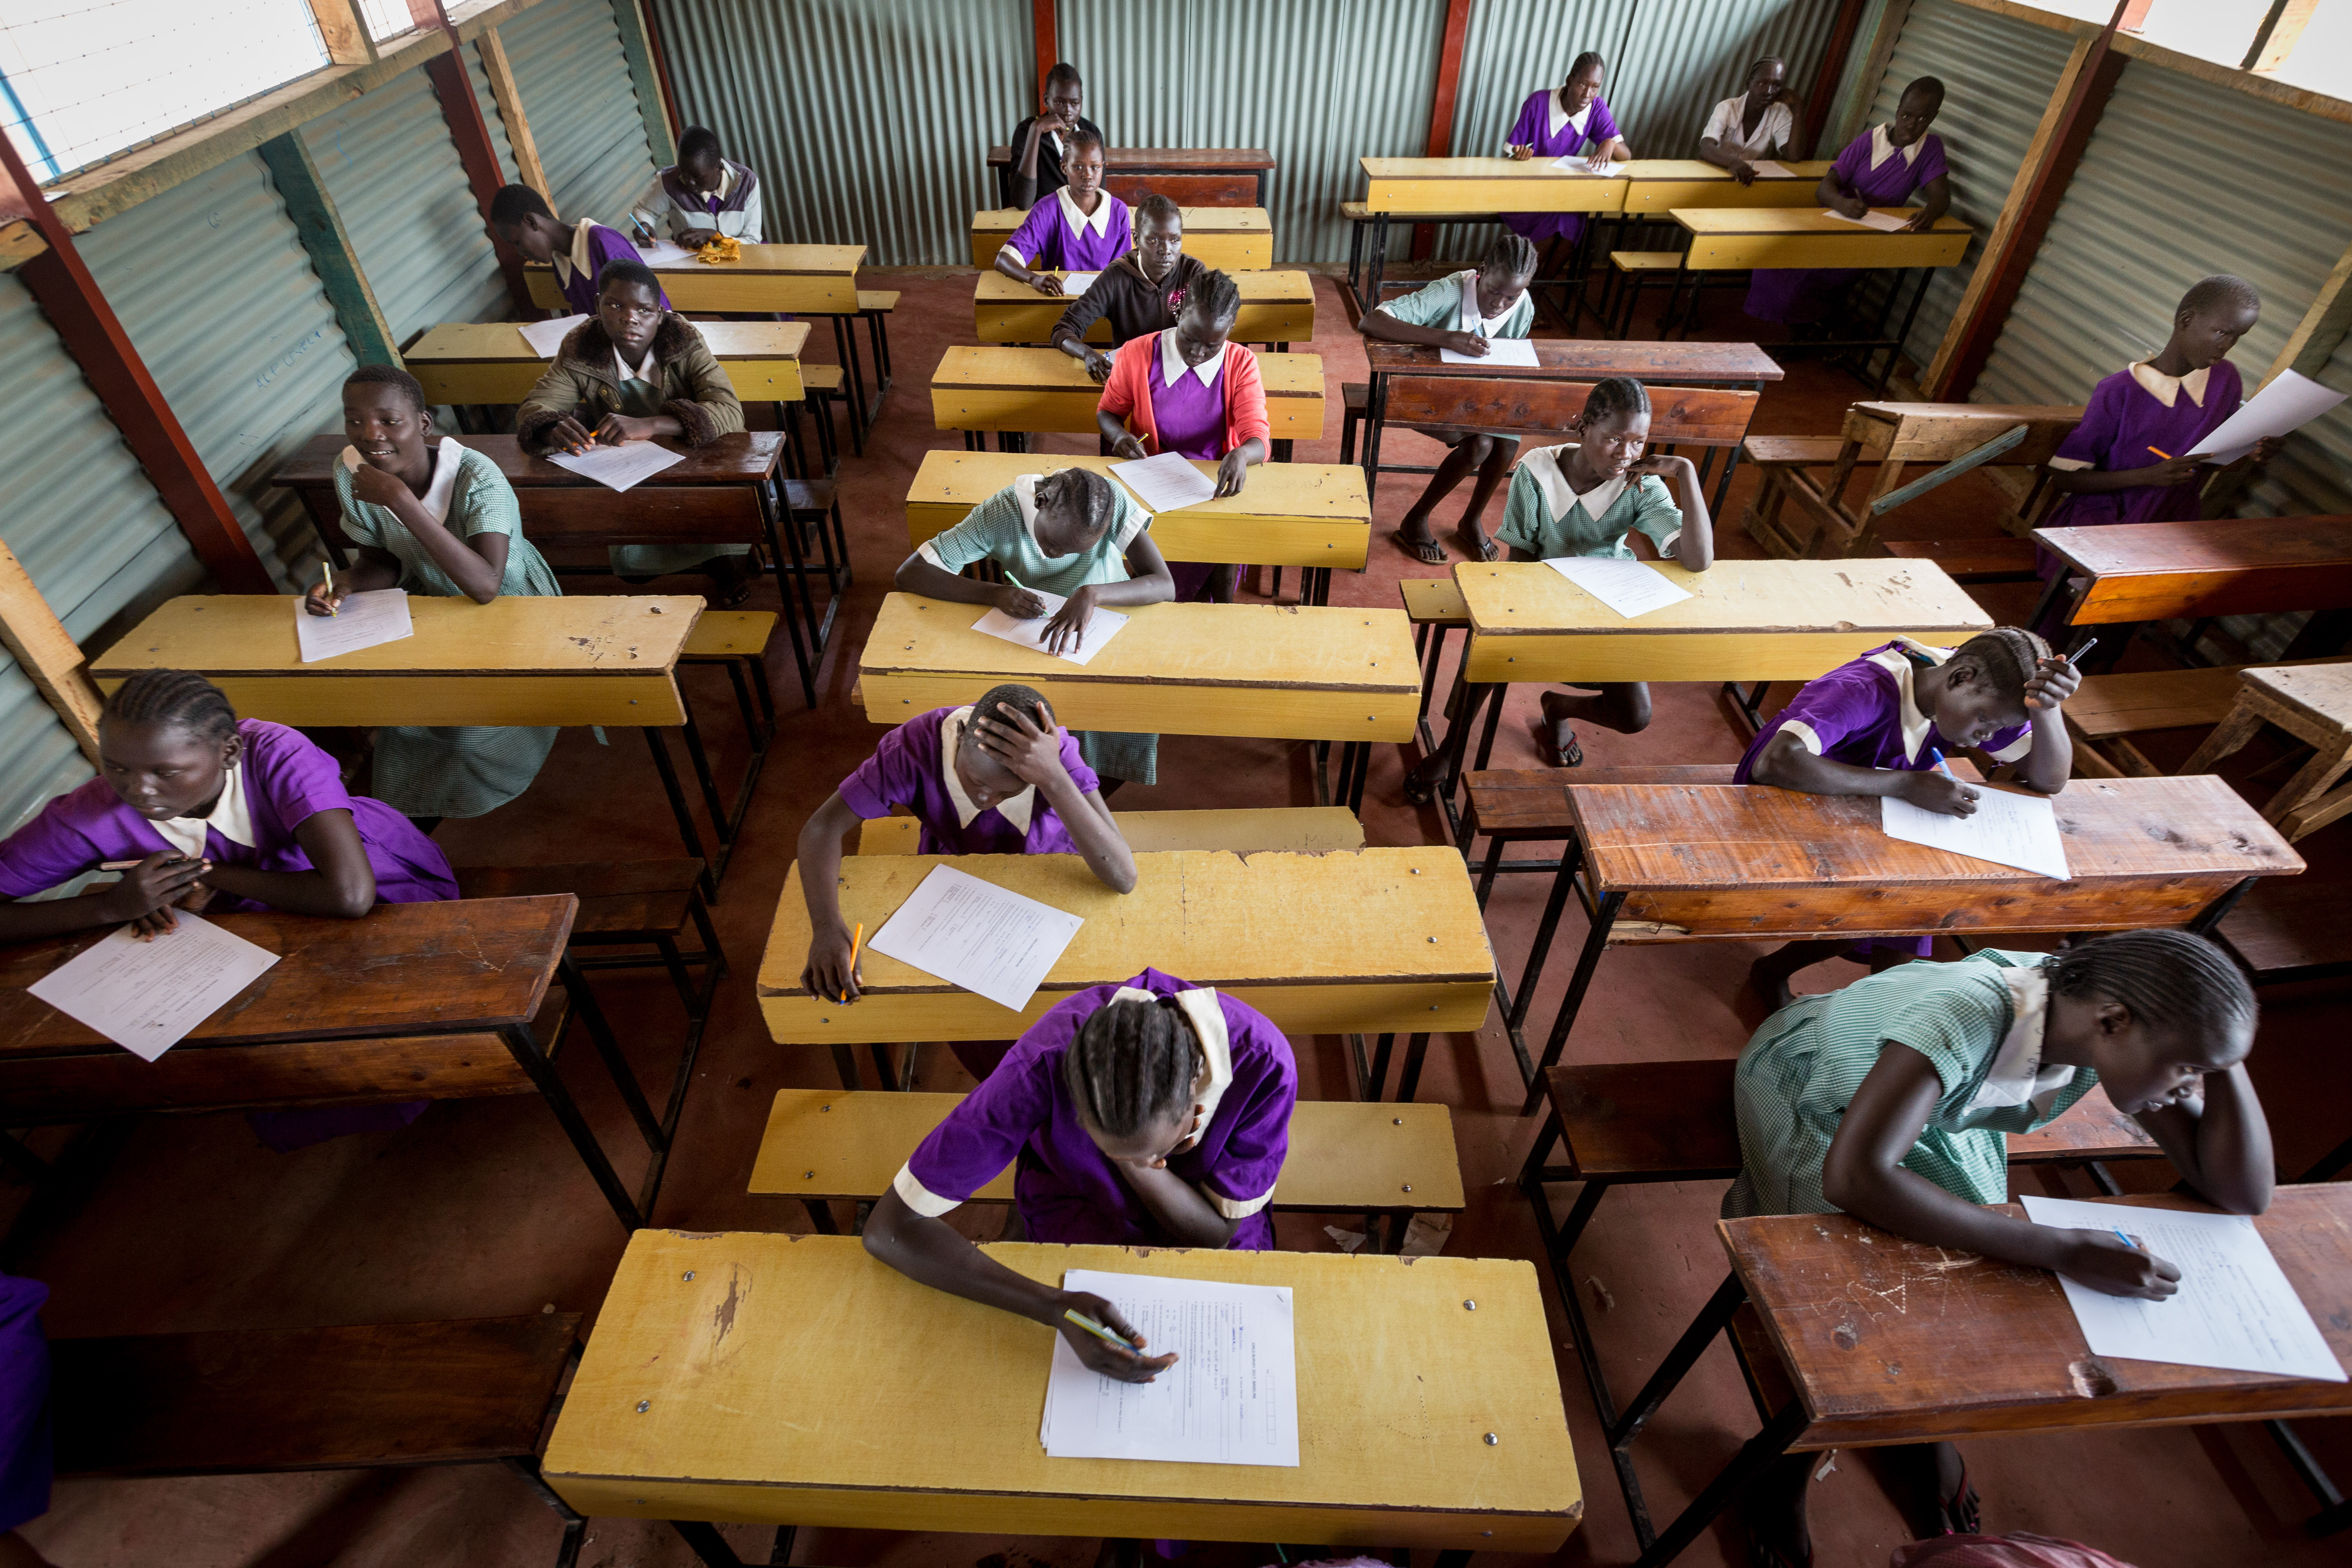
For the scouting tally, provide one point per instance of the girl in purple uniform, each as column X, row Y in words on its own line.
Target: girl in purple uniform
column 25, row 1462
column 577, row 251
column 1558, row 122
column 1881, row 725
column 1081, row 227
column 1880, row 168
column 1153, row 1113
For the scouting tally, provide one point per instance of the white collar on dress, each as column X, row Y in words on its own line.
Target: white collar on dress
column 1076, row 217
column 443, row 491
column 2166, row 388
column 582, row 259
column 1015, row 809
column 2017, row 1075
column 1469, row 320
column 230, row 818
column 1544, row 465
column 1558, row 114
column 644, row 368
column 1882, row 149
column 1208, row 1021
column 1915, row 724
column 1172, row 366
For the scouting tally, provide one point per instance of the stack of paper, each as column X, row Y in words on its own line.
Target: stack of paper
column 1576, row 164
column 362, row 620
column 2007, row 828
column 1166, row 482
column 1629, row 587
column 546, row 337
column 1499, row 351
column 1100, row 627
column 1765, row 169
column 986, row 939
column 618, row 468
column 147, row 996
column 1076, row 283
column 2288, row 403
column 1232, row 1398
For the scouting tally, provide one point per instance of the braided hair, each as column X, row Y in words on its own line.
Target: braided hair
column 392, row 376
column 1589, row 58
column 1157, row 207
column 2221, row 291
column 2007, row 657
column 1002, row 703
column 175, row 697
column 2169, row 980
column 1088, row 493
column 1133, row 1065
column 1509, row 255
column 1076, row 137
column 1216, row 296
column 1611, row 396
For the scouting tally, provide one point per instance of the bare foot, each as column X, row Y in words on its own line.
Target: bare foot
column 1773, row 987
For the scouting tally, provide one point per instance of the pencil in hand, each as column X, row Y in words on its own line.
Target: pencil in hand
column 328, row 567
column 855, row 941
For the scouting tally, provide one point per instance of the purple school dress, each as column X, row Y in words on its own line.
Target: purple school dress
column 911, row 768
column 25, row 1453
column 1065, row 241
column 595, row 245
column 1533, row 129
column 1191, row 419
column 1803, row 295
column 2122, row 421
column 1066, row 1189
column 1863, row 713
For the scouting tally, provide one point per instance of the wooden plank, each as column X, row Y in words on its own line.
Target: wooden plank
column 1344, row 1155
column 1982, row 1347
column 489, row 362
column 1406, row 186
column 1270, row 671
column 515, row 660
column 509, row 97
column 806, row 280
column 459, row 965
column 1739, row 862
column 2160, row 571
column 1276, row 307
column 1396, row 943
column 736, row 1346
column 1244, row 830
column 2281, row 930
column 47, row 654
column 1290, row 514
column 1433, row 601
column 640, row 50
column 2091, row 1129
column 1593, row 359
column 1661, row 185
column 2282, row 29
column 343, row 32
column 319, row 225
column 2314, row 339
column 1679, row 415
column 1231, row 240
column 1746, row 620
column 387, row 1069
column 1045, row 389
column 19, row 243
column 1729, row 240
column 1169, row 160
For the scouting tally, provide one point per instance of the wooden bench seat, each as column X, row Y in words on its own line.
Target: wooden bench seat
column 731, row 634
column 1305, row 829
column 883, row 299
column 1804, row 451
column 2288, row 929
column 1433, row 602
column 1646, row 261
column 2002, row 560
column 2107, row 708
column 1346, row 1156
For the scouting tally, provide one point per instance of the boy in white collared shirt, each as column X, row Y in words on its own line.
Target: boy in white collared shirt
column 700, row 196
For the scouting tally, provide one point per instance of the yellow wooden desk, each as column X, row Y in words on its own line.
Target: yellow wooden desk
column 1242, row 829
column 813, row 279
column 488, row 362
column 794, row 1380
column 1660, row 184
column 977, row 390
column 1732, row 238
column 1231, row 240
column 1314, row 515
column 1277, row 308
column 1403, row 186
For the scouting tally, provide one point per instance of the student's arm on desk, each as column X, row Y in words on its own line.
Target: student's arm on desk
column 2221, row 1141
column 929, row 1252
column 916, row 575
column 1786, row 762
column 1863, row 1175
column 375, row 569
column 829, row 971
column 1379, row 323
column 144, row 895
column 1833, row 196
column 342, row 885
column 1070, row 332
column 1938, row 193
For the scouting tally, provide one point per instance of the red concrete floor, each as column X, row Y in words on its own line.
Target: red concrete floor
column 481, row 1208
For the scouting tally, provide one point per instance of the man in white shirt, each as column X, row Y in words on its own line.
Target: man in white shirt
column 700, row 196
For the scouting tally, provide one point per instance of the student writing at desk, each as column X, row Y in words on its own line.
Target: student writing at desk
column 217, row 814
column 1583, row 498
column 1759, row 123
column 995, row 778
column 1881, row 725
column 1074, row 534
column 1571, row 118
column 1081, row 227
column 1880, row 168
column 1139, row 293
column 702, row 197
column 1193, row 390
column 634, row 371
column 1889, row 1100
column 432, row 517
column 1040, row 143
column 1462, row 312
column 1153, row 1113
column 577, row 251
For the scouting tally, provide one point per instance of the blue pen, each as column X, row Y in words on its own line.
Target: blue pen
column 2127, row 1240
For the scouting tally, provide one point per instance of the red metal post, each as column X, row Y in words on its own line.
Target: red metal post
column 471, row 135
column 1049, row 43
column 1825, row 81
column 1441, row 107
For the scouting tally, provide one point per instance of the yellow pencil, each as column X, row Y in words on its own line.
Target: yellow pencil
column 2166, row 456
column 856, row 939
column 329, row 568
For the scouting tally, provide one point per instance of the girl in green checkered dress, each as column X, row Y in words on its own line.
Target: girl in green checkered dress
column 1890, row 1099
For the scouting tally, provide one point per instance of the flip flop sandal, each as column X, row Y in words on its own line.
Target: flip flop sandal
column 1428, row 551
column 1569, row 756
column 1961, row 1514
column 1419, row 791
column 1483, row 550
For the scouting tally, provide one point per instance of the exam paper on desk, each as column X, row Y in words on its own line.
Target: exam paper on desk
column 2234, row 1309
column 1501, row 350
column 1629, row 587
column 618, row 468
column 1164, row 482
column 546, row 337
column 972, row 934
column 1885, row 223
column 1574, row 164
column 1232, row 1398
column 662, row 253
column 1770, row 169
column 146, row 997
column 362, row 620
column 1076, row 283
column 1100, row 627
column 2007, row 828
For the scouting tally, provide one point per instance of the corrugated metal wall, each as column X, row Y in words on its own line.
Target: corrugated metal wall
column 487, row 102
column 1997, row 76
column 890, row 150
column 389, row 164
column 1317, row 83
column 212, row 282
column 583, row 108
column 86, row 524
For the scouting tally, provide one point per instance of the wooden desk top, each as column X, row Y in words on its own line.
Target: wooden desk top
column 470, row 343
column 1203, row 220
column 1120, row 159
column 955, row 482
column 1892, row 1341
column 794, row 1378
column 1796, row 220
column 747, row 458
column 1409, row 185
column 1659, row 185
column 2321, row 691
column 1396, row 935
column 1257, row 287
column 2227, row 566
column 1583, row 359
column 1050, row 369
column 402, row 969
column 1734, row 860
column 767, row 260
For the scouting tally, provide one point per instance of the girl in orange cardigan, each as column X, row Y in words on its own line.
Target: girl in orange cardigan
column 1188, row 390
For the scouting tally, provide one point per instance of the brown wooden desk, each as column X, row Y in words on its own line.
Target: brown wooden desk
column 409, row 1002
column 1189, row 176
column 1978, row 1349
column 723, row 1367
column 2199, row 569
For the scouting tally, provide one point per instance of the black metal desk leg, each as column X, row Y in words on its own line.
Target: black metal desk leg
column 541, row 1072
column 1596, row 942
column 686, row 832
column 845, row 1062
column 608, row 1050
column 1757, row 1455
column 1415, row 1049
column 1563, row 881
column 709, row 1545
column 2214, row 914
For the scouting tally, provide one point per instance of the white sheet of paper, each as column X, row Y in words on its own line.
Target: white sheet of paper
column 1076, row 283
column 146, row 995
column 2007, row 828
column 1232, row 1398
column 1768, row 169
column 363, row 620
column 975, row 935
column 2283, row 407
column 1101, row 626
column 1505, row 350
column 618, row 468
column 546, row 337
column 1885, row 223
column 2234, row 1308
column 662, row 253
column 1574, row 164
column 1629, row 587
column 1166, row 482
